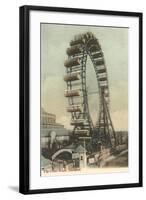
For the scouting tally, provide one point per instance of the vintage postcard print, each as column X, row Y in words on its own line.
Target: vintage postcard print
column 84, row 99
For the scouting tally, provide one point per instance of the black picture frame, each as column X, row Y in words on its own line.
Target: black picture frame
column 24, row 148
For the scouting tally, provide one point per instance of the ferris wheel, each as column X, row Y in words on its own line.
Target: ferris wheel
column 82, row 47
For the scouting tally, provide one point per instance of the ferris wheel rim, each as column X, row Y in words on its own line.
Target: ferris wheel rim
column 81, row 47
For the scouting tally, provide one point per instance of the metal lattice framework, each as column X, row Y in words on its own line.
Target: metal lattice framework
column 81, row 47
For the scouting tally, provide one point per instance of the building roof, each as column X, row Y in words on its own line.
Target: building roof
column 46, row 113
column 76, row 148
column 80, row 149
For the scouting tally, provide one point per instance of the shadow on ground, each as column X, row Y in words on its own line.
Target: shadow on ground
column 14, row 188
